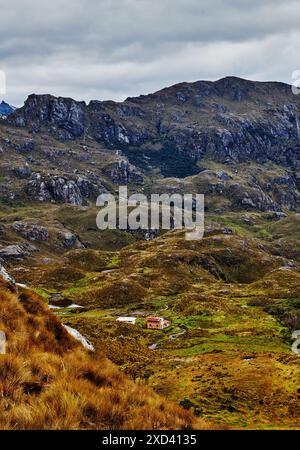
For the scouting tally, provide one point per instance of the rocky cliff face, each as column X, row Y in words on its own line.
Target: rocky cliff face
column 122, row 172
column 75, row 191
column 230, row 120
column 6, row 109
column 62, row 117
column 176, row 132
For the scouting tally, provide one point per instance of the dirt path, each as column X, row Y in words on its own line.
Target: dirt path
column 171, row 337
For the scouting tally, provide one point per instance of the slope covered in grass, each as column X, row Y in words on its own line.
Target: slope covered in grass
column 48, row 381
column 232, row 304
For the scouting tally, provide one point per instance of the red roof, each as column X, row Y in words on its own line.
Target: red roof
column 153, row 319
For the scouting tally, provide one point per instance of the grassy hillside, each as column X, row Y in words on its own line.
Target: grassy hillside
column 48, row 381
column 233, row 305
column 232, row 298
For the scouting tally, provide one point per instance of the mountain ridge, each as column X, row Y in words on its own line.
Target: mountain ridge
column 6, row 109
column 224, row 79
column 139, row 121
column 194, row 132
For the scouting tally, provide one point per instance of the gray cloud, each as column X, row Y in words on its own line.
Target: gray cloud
column 117, row 48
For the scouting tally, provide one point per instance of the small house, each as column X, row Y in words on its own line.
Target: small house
column 124, row 319
column 157, row 323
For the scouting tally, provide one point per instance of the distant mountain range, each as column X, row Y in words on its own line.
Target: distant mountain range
column 231, row 120
column 237, row 141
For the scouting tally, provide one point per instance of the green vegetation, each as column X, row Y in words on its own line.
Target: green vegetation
column 232, row 299
column 227, row 353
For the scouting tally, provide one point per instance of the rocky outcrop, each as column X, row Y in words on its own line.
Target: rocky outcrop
column 62, row 117
column 6, row 109
column 25, row 147
column 68, row 239
column 76, row 190
column 5, row 275
column 30, row 231
column 79, row 337
column 17, row 252
column 122, row 172
column 258, row 200
column 22, row 171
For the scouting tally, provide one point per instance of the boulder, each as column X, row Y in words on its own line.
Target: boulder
column 22, row 171
column 76, row 190
column 122, row 172
column 5, row 275
column 17, row 252
column 68, row 239
column 30, row 231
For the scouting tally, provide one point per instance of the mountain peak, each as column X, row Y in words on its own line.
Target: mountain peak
column 5, row 109
column 231, row 119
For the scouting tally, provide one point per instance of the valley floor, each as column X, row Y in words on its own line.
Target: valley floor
column 232, row 300
column 232, row 367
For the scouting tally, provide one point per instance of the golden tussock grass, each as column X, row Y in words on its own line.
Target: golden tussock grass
column 48, row 381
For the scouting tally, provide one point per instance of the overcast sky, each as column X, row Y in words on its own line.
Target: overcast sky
column 112, row 49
